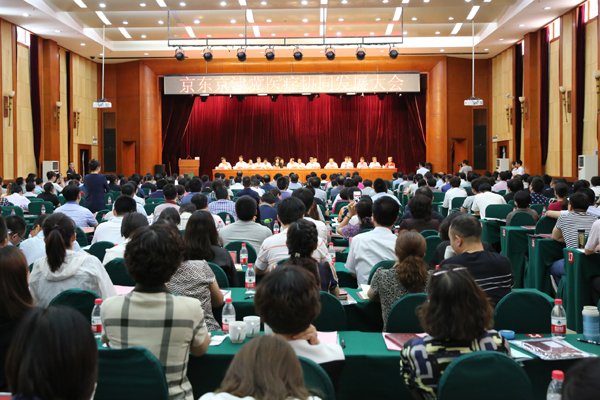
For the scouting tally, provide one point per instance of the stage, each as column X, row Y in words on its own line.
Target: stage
column 365, row 173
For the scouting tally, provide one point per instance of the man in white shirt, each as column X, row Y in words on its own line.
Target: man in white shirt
column 422, row 170
column 224, row 164
column 59, row 184
column 111, row 231
column 331, row 164
column 518, row 170
column 485, row 198
column 275, row 249
column 308, row 199
column 301, row 164
column 17, row 198
column 374, row 163
column 292, row 164
column 30, row 189
column 502, row 183
column 465, row 168
column 312, row 164
column 369, row 248
column 128, row 190
column 241, row 164
column 251, row 165
column 255, row 185
column 315, row 182
column 237, row 185
column 347, row 164
column 266, row 164
column 380, row 188
column 454, row 191
column 245, row 229
column 362, row 163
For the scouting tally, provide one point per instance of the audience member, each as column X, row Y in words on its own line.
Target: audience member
column 468, row 203
column 48, row 194
column 158, row 193
column 63, row 268
column 316, row 184
column 408, row 276
column 30, row 189
column 358, row 218
column 381, row 190
column 514, row 185
column 185, row 212
column 195, row 187
column 223, row 204
column 245, row 228
column 171, row 215
column 110, row 231
column 131, row 222
column 581, row 380
column 201, row 202
column 561, row 191
column 369, row 248
column 267, row 185
column 247, row 190
column 17, row 227
column 287, row 300
column 421, row 215
column 308, row 199
column 56, row 180
column 458, row 319
column 536, row 188
column 502, row 183
column 17, row 199
column 522, row 199
column 82, row 216
column 454, row 191
column 170, row 195
column 595, row 181
column 96, row 187
column 152, row 257
column 485, row 198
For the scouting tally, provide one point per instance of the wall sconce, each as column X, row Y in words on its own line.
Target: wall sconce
column 566, row 99
column 524, row 114
column 8, row 105
column 508, row 115
column 597, row 78
column 77, row 112
column 57, row 115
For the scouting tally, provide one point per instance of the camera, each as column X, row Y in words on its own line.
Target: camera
column 460, row 165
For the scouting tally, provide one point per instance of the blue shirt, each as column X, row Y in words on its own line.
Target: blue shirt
column 96, row 186
column 187, row 199
column 80, row 215
column 268, row 212
column 446, row 187
column 266, row 187
column 157, row 195
column 248, row 192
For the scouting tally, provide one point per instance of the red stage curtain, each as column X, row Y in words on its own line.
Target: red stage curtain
column 296, row 127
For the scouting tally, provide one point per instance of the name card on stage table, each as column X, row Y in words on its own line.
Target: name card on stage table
column 291, row 83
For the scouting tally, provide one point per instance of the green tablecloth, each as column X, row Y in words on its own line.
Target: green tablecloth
column 364, row 316
column 542, row 253
column 342, row 256
column 580, row 269
column 490, row 231
column 345, row 278
column 513, row 242
column 371, row 371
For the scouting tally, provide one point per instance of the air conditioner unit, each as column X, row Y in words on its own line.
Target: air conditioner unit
column 587, row 167
column 49, row 166
column 502, row 164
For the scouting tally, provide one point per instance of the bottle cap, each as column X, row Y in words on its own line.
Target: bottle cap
column 229, row 300
column 243, row 244
column 557, row 301
column 331, row 244
column 98, row 301
column 558, row 375
column 250, row 265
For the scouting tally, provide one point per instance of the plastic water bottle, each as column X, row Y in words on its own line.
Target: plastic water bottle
column 328, row 229
column 559, row 320
column 544, row 211
column 276, row 228
column 96, row 320
column 243, row 255
column 396, row 232
column 109, row 199
column 227, row 220
column 228, row 314
column 332, row 253
column 250, row 279
column 514, row 208
column 555, row 388
column 12, row 212
column 43, row 209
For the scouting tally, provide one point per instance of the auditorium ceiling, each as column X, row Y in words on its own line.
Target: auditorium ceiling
column 140, row 28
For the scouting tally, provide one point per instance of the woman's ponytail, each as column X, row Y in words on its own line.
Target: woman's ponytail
column 58, row 230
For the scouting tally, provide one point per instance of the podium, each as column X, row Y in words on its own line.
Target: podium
column 190, row 167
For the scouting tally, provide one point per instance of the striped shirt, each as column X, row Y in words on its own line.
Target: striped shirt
column 166, row 325
column 492, row 271
column 223, row 205
column 570, row 223
column 275, row 249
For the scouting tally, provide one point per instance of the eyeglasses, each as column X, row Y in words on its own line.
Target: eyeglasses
column 447, row 270
column 10, row 233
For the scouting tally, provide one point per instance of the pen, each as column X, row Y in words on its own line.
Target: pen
column 589, row 341
column 343, row 344
column 249, row 297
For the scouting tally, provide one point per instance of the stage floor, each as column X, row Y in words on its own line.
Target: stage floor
column 365, row 173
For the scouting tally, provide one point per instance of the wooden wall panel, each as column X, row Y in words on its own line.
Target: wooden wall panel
column 532, row 161
column 50, row 95
column 590, row 117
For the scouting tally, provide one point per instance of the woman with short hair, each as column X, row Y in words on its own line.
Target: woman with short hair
column 421, row 212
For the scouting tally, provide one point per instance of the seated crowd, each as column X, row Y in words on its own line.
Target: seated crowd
column 170, row 232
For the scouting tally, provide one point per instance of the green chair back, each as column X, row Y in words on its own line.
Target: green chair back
column 224, row 215
column 539, row 208
column 82, row 202
column 28, row 231
column 155, row 201
column 499, row 211
column 432, row 244
column 429, row 232
column 403, row 314
column 333, row 316
column 457, row 202
column 98, row 249
column 511, row 203
column 146, row 191
column 474, row 376
column 62, row 200
column 100, row 215
column 36, row 207
column 524, row 311
column 438, row 196
column 545, row 225
column 339, row 205
column 316, row 379
column 7, row 210
column 34, row 199
column 364, row 231
column 220, row 275
column 385, row 264
column 149, row 207
column 521, row 218
column 501, row 192
column 237, row 245
column 112, row 197
column 133, row 373
column 81, row 237
column 118, row 273
column 79, row 299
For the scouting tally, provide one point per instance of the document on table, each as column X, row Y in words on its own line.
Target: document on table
column 328, row 337
column 518, row 355
column 216, row 340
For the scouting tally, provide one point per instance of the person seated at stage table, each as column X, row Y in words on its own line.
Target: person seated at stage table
column 224, row 164
column 292, row 164
column 247, row 190
column 279, row 163
column 250, row 165
column 374, row 163
column 458, row 319
column 331, row 164
column 390, row 163
column 362, row 163
column 301, row 164
column 258, row 162
column 241, row 164
column 347, row 164
column 223, row 204
column 313, row 164
column 266, row 164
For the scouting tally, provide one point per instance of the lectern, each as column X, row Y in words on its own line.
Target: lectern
column 190, row 167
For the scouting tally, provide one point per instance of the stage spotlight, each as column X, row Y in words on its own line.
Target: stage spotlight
column 393, row 54
column 381, row 96
column 298, row 55
column 241, row 98
column 270, row 55
column 180, row 55
column 207, row 55
column 311, row 97
column 330, row 54
column 203, row 98
column 360, row 55
column 274, row 97
column 241, row 55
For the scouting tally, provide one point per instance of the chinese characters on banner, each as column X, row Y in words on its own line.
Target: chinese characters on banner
column 292, row 83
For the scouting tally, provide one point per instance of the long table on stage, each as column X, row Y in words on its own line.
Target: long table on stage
column 365, row 173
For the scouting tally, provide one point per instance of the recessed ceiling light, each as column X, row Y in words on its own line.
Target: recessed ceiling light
column 306, row 34
column 437, row 33
column 80, row 3
column 372, row 33
column 377, row 19
column 547, row 8
column 232, row 21
column 486, row 49
column 207, row 35
column 102, row 54
column 304, row 20
column 102, row 5
column 425, row 1
column 196, row 21
column 304, row 2
column 263, row 3
column 381, row 51
column 268, row 20
column 272, row 34
column 25, row 15
column 344, row 1
column 125, row 23
column 339, row 33
column 241, row 35
column 442, row 50
column 182, row 4
column 385, row 1
column 83, row 44
column 143, row 36
column 341, row 19
column 142, row 4
column 223, row 3
column 450, row 18
column 405, row 33
column 145, row 54
column 160, row 22
column 414, row 18
column 501, row 39
column 521, row 25
column 57, row 31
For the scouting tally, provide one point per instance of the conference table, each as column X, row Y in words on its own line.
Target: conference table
column 513, row 241
column 365, row 173
column 371, row 370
